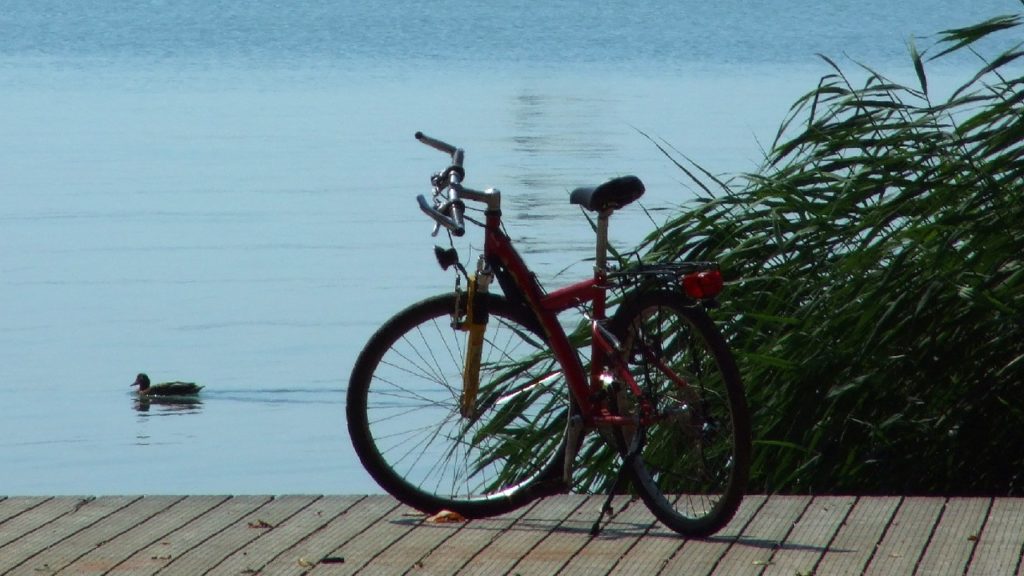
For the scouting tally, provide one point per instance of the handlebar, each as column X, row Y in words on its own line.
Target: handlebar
column 442, row 146
column 448, row 213
column 457, row 154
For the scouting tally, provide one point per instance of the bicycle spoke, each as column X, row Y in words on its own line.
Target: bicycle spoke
column 422, row 445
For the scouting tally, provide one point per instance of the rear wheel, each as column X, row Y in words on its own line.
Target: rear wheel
column 690, row 459
column 407, row 427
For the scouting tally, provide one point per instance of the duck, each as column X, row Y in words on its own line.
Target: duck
column 166, row 388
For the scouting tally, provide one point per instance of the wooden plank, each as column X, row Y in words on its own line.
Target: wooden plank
column 631, row 521
column 458, row 550
column 754, row 549
column 34, row 517
column 505, row 551
column 1001, row 541
column 305, row 556
column 11, row 507
column 656, row 558
column 955, row 537
column 81, row 515
column 254, row 556
column 362, row 550
column 325, row 536
column 907, row 537
column 856, row 541
column 561, row 545
column 235, row 535
column 403, row 555
column 809, row 540
column 162, row 553
column 70, row 548
column 113, row 553
column 648, row 554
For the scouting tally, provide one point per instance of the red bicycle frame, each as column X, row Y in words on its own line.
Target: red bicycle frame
column 498, row 248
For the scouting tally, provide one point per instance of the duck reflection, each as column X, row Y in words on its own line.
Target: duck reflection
column 168, row 404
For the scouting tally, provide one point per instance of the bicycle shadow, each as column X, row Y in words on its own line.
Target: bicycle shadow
column 581, row 522
column 770, row 544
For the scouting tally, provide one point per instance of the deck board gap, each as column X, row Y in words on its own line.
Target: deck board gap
column 885, row 531
column 243, row 544
column 977, row 539
column 625, row 553
column 558, row 524
column 519, row 514
column 338, row 549
column 425, row 555
column 835, row 535
column 931, row 536
column 785, row 537
column 129, row 527
column 74, row 531
column 184, row 553
column 733, row 540
column 323, row 525
column 25, row 511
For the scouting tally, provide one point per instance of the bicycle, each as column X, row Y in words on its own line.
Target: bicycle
column 479, row 403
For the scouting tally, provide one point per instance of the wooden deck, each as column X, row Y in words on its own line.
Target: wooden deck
column 327, row 535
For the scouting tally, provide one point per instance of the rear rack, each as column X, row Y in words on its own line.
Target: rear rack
column 663, row 270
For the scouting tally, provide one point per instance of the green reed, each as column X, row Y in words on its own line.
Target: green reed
column 875, row 296
column 876, row 267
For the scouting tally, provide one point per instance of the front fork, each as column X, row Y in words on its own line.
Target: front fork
column 475, row 323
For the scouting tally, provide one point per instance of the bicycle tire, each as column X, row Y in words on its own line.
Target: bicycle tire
column 691, row 464
column 404, row 419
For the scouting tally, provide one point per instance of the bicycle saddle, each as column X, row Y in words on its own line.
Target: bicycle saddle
column 611, row 195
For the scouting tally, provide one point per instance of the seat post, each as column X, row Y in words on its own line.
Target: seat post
column 602, row 240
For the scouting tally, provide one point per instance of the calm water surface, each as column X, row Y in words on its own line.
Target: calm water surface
column 224, row 193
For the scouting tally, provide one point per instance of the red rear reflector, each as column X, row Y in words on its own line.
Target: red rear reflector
column 701, row 285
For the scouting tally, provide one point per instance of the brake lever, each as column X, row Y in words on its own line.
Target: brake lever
column 440, row 207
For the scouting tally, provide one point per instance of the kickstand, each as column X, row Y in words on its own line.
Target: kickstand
column 620, row 482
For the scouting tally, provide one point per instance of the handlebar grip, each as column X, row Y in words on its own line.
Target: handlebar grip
column 439, row 145
column 455, row 225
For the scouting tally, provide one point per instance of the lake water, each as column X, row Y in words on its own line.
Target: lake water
column 224, row 192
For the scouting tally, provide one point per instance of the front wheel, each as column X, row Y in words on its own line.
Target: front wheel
column 420, row 444
column 689, row 456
